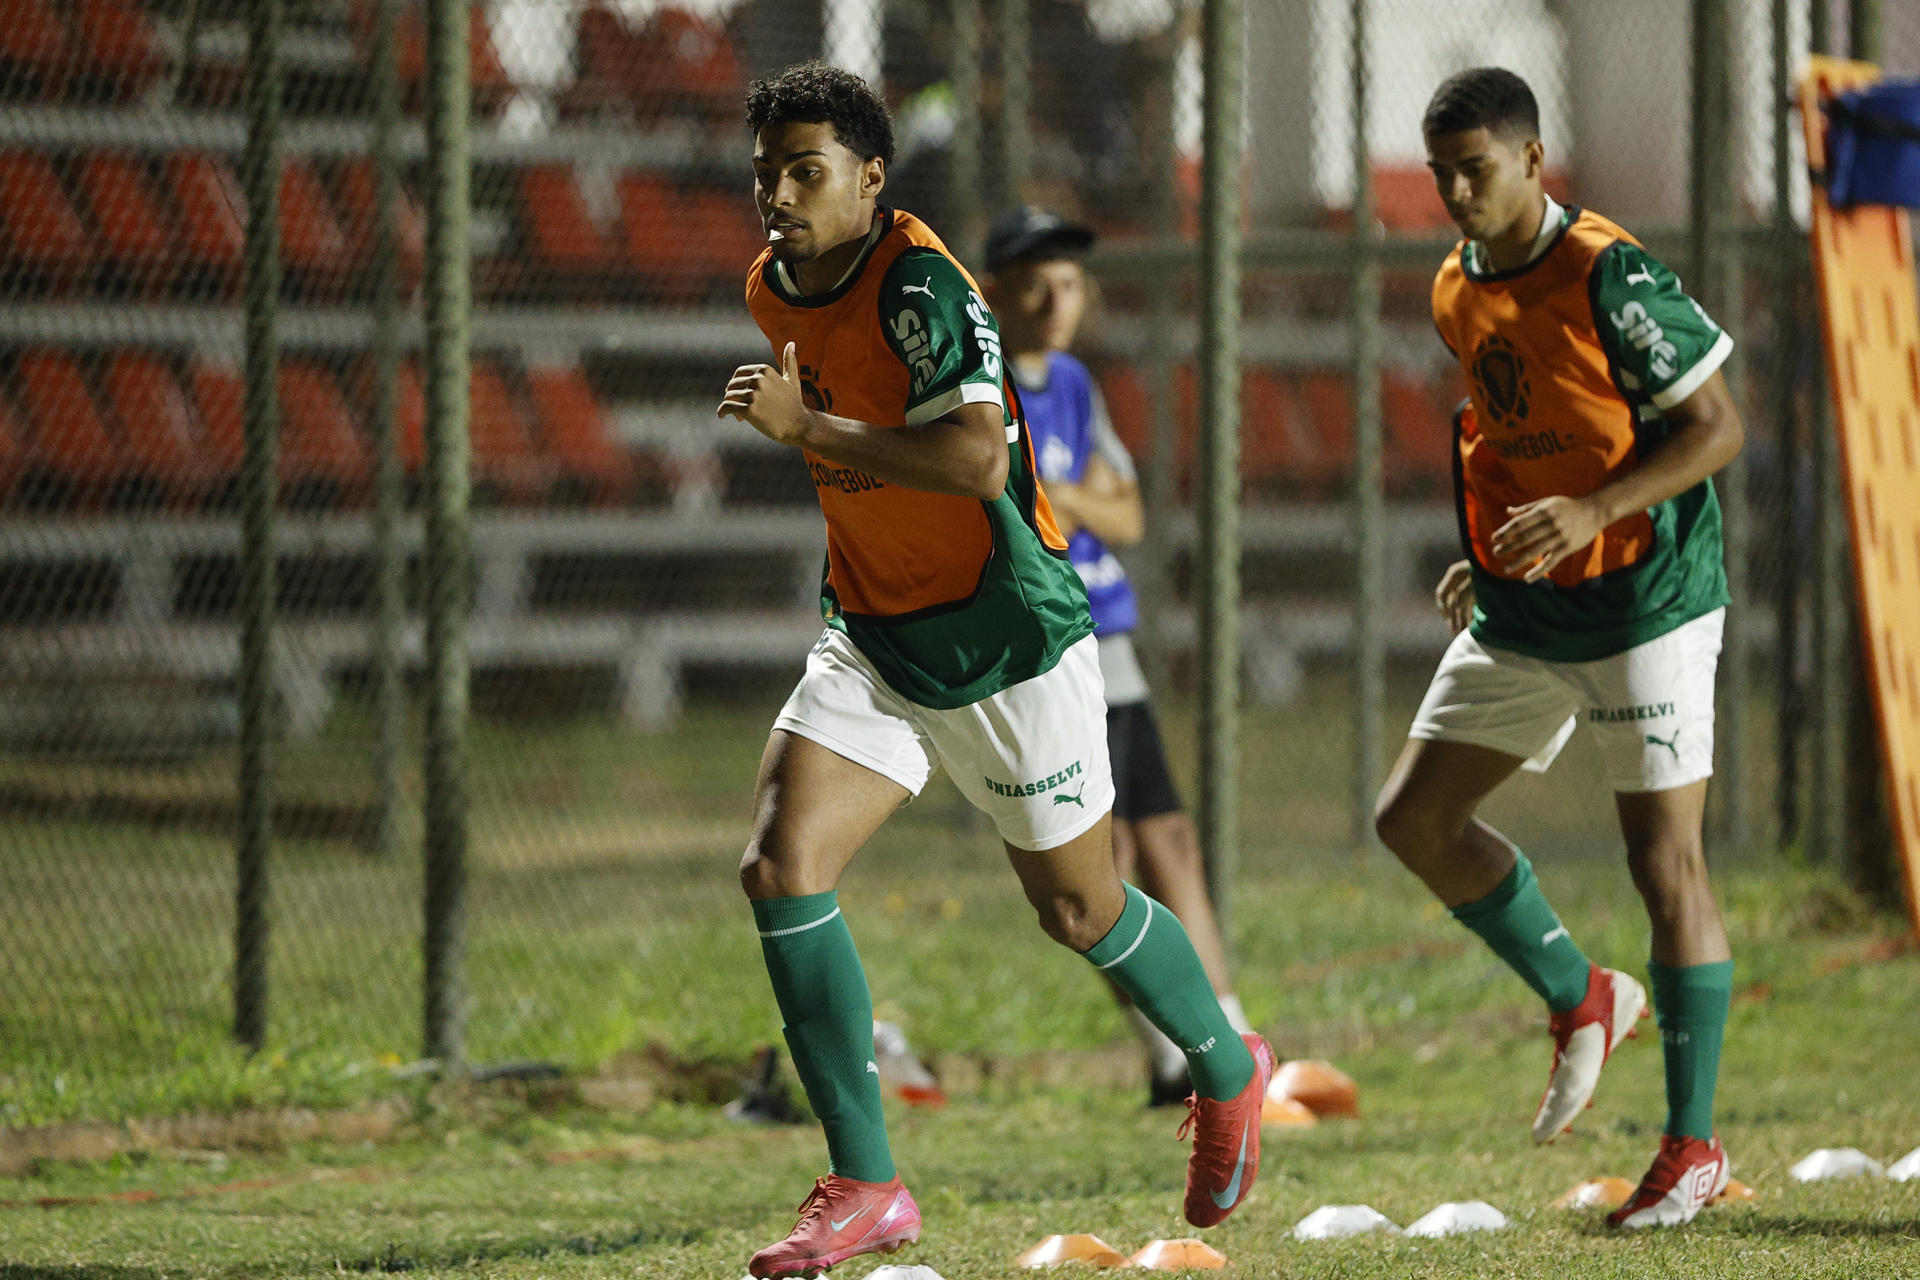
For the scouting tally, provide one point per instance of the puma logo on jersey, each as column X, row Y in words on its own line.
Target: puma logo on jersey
column 1645, row 273
column 1064, row 798
column 926, row 288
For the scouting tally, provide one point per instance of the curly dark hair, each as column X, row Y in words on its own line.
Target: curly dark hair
column 814, row 92
column 1490, row 98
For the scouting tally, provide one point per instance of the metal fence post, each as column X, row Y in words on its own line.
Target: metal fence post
column 448, row 566
column 388, row 563
column 259, row 493
column 1369, row 515
column 1788, row 270
column 963, row 164
column 1218, row 544
column 1016, row 124
column 1160, row 468
column 1714, row 267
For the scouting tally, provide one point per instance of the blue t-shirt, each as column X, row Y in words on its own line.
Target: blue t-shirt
column 1068, row 419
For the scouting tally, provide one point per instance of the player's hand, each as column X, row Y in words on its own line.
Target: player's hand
column 1454, row 595
column 768, row 399
column 1544, row 532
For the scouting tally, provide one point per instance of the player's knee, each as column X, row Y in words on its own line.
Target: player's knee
column 1411, row 829
column 1070, row 920
column 768, row 871
column 1670, row 873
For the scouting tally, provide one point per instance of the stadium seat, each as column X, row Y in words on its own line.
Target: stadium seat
column 136, row 243
column 1129, row 405
column 312, row 245
column 1269, row 453
column 409, row 409
column 730, row 237
column 1419, row 436
column 507, row 467
column 671, row 266
column 686, row 65
column 358, row 190
column 34, row 62
column 48, row 249
column 212, row 229
column 76, row 464
column 13, row 450
column 323, row 461
column 605, row 54
column 491, row 86
column 567, row 248
column 594, row 468
column 1327, row 402
column 166, row 462
column 117, row 53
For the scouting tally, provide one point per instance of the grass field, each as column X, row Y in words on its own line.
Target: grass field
column 606, row 924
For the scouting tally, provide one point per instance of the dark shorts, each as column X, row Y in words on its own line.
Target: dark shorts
column 1142, row 784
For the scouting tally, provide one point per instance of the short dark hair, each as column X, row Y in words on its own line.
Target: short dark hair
column 816, row 93
column 1490, row 98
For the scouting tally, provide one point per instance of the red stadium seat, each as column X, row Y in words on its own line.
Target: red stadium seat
column 671, row 265
column 605, row 54
column 730, row 236
column 575, row 432
column 1129, row 405
column 212, row 212
column 34, row 61
column 47, row 244
column 163, row 450
column 561, row 234
column 1419, row 435
column 358, row 190
column 79, row 461
column 1327, row 399
column 686, row 64
column 491, row 86
column 221, row 395
column 135, row 239
column 312, row 245
column 409, row 409
column 323, row 461
column 116, row 48
column 1269, row 452
column 506, row 464
column 13, row 449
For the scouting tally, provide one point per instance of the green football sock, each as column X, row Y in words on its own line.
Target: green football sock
column 1691, row 1004
column 828, row 1014
column 1148, row 956
column 1517, row 923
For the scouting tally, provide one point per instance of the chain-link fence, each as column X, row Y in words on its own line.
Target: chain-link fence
column 644, row 575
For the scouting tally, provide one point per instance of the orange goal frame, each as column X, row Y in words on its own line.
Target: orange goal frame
column 1863, row 263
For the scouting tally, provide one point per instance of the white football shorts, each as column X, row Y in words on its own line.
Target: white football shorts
column 1033, row 757
column 1650, row 708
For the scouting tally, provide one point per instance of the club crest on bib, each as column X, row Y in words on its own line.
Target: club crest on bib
column 1501, row 385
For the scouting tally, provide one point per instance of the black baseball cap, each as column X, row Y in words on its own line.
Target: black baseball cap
column 1021, row 232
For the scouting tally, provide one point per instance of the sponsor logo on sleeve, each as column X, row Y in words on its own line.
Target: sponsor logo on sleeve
column 1641, row 331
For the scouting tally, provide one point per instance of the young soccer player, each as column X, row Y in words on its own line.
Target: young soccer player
column 1038, row 289
column 957, row 634
column 1593, row 589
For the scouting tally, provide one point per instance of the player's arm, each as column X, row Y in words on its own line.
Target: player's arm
column 963, row 452
column 1106, row 500
column 1672, row 349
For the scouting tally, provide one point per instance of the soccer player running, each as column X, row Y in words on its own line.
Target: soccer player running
column 1593, row 589
column 957, row 634
column 1038, row 289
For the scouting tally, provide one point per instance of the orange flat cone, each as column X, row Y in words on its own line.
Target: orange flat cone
column 1597, row 1193
column 1286, row 1112
column 1321, row 1087
column 1178, row 1255
column 1737, row 1192
column 1055, row 1250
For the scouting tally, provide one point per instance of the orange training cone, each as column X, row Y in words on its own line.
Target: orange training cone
column 1597, row 1193
column 1286, row 1112
column 1055, row 1250
column 1737, row 1192
column 1321, row 1087
column 1178, row 1255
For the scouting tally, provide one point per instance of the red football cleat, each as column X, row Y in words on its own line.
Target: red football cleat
column 1226, row 1142
column 1686, row 1176
column 1584, row 1037
column 841, row 1219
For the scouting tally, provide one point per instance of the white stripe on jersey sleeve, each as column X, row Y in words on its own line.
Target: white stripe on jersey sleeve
column 1693, row 379
column 965, row 393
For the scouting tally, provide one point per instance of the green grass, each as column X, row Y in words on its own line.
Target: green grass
column 1348, row 963
column 605, row 923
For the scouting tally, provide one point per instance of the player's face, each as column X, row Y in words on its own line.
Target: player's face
column 1040, row 304
column 814, row 194
column 1487, row 182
